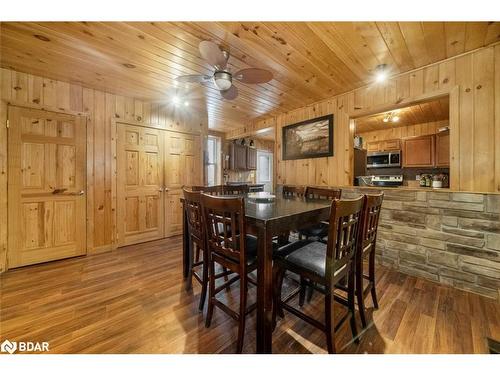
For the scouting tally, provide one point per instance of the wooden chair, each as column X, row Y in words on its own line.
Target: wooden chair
column 321, row 230
column 192, row 204
column 294, row 191
column 212, row 190
column 196, row 232
column 368, row 235
column 233, row 249
column 318, row 231
column 325, row 265
column 235, row 189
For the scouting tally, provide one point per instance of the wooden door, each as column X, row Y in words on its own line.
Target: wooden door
column 183, row 167
column 443, row 149
column 46, row 188
column 140, row 184
column 419, row 151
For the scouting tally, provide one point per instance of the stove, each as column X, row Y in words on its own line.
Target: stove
column 387, row 180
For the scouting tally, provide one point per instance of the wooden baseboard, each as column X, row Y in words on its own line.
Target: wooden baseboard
column 101, row 249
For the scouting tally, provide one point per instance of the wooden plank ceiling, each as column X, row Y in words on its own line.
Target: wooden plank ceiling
column 310, row 61
column 433, row 111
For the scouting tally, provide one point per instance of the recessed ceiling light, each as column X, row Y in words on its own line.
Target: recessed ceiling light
column 381, row 72
column 186, row 103
column 175, row 100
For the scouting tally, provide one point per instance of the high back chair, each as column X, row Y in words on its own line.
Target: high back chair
column 366, row 249
column 212, row 190
column 196, row 233
column 235, row 189
column 293, row 191
column 325, row 265
column 229, row 246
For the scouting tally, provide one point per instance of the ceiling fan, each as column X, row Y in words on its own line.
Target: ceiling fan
column 222, row 78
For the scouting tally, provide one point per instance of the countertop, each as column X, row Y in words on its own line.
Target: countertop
column 408, row 188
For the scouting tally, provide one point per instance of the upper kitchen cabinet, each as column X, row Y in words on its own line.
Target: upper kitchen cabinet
column 387, row 145
column 251, row 158
column 419, row 151
column 443, row 149
column 238, row 157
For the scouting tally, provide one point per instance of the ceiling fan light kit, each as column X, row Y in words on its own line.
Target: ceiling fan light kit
column 222, row 78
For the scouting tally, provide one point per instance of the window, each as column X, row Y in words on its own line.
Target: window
column 213, row 160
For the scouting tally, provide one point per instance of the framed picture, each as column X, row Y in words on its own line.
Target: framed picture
column 308, row 139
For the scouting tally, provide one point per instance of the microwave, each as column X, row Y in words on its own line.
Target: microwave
column 383, row 159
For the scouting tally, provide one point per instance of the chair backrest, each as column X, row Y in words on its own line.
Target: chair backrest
column 322, row 193
column 371, row 215
column 235, row 189
column 344, row 235
column 293, row 191
column 212, row 190
column 224, row 224
column 192, row 205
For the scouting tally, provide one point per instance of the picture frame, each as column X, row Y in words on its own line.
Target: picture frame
column 308, row 139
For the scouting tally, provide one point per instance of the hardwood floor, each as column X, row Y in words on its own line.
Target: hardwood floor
column 133, row 301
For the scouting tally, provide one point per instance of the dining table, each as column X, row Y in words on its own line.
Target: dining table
column 266, row 220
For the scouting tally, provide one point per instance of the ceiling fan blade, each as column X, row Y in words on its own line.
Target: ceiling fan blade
column 193, row 78
column 253, row 75
column 212, row 54
column 231, row 93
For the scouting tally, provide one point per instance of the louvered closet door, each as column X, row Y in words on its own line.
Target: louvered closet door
column 183, row 167
column 46, row 188
column 140, row 184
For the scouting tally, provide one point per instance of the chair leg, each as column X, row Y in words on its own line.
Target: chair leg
column 359, row 291
column 197, row 256
column 330, row 323
column 350, row 301
column 242, row 315
column 302, row 292
column 310, row 292
column 226, row 278
column 189, row 281
column 371, row 277
column 204, row 284
column 211, row 292
column 278, row 274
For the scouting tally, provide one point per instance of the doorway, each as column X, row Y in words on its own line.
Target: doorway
column 265, row 169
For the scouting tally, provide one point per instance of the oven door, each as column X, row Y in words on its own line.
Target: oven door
column 378, row 160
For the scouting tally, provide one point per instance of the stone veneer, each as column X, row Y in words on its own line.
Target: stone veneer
column 448, row 237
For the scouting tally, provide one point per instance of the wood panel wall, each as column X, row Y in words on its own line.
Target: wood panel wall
column 103, row 110
column 474, row 78
column 402, row 131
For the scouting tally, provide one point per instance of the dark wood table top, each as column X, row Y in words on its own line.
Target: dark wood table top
column 280, row 208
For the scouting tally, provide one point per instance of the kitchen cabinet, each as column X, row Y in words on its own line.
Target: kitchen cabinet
column 391, row 145
column 419, row 151
column 443, row 149
column 238, row 157
column 387, row 145
column 251, row 158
